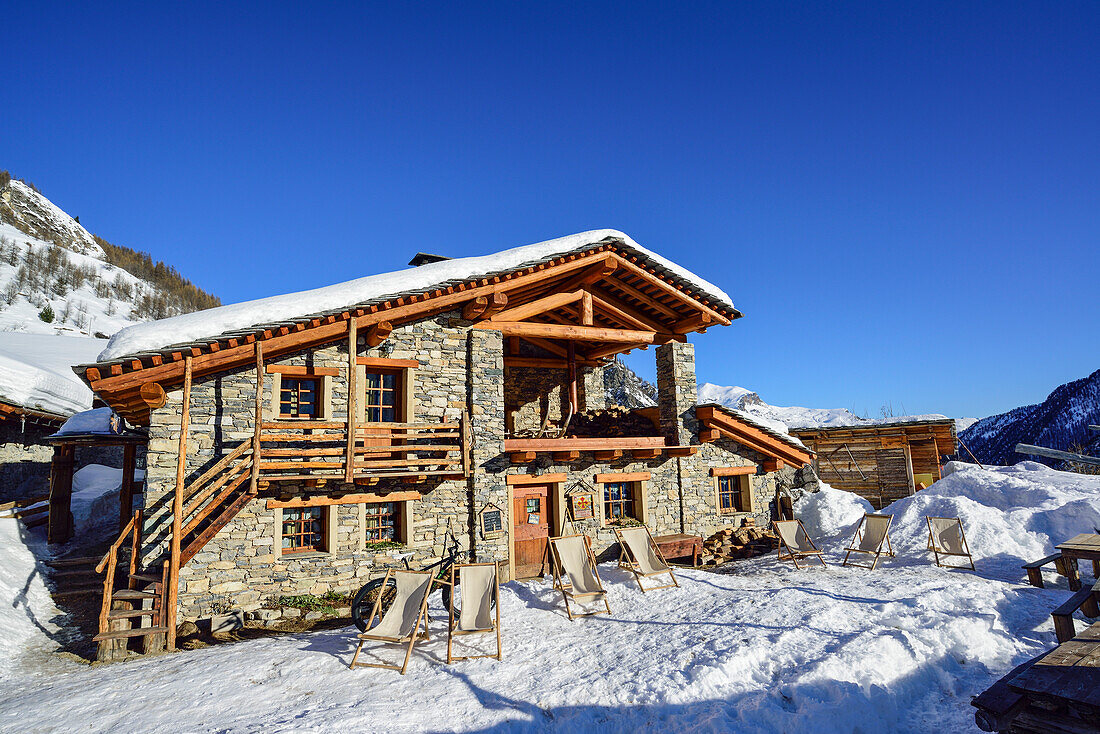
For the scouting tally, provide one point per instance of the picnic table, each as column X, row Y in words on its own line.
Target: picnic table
column 1085, row 546
column 679, row 545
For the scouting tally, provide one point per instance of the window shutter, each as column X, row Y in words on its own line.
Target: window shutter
column 360, row 392
column 276, row 388
column 747, row 499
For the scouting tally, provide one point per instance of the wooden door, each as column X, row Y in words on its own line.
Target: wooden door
column 531, row 518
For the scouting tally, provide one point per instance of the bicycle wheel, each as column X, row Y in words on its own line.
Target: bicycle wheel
column 363, row 602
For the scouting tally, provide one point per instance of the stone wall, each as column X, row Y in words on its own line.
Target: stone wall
column 459, row 369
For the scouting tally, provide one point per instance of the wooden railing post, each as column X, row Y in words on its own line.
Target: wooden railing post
column 254, row 480
column 353, row 348
column 464, row 441
column 135, row 544
column 177, row 508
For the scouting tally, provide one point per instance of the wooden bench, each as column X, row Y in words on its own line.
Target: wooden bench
column 1086, row 601
column 1035, row 569
column 680, row 546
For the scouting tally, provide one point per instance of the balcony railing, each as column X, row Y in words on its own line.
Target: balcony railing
column 297, row 450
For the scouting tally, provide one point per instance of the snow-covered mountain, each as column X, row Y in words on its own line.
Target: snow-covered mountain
column 58, row 278
column 61, row 286
column 746, row 400
column 1059, row 422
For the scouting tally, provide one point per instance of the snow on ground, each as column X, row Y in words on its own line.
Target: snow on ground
column 763, row 647
column 158, row 334
column 36, row 371
column 96, row 490
column 25, row 607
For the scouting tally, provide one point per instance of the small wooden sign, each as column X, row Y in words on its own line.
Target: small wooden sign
column 580, row 507
column 582, row 501
column 492, row 521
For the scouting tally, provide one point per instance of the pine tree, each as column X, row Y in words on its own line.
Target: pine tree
column 46, row 314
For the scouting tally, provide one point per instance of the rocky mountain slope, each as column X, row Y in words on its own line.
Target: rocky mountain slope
column 625, row 388
column 61, row 286
column 58, row 278
column 1059, row 422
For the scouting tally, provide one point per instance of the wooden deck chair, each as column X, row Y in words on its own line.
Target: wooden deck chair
column 639, row 554
column 946, row 538
column 575, row 574
column 401, row 622
column 479, row 591
column 793, row 538
column 873, row 532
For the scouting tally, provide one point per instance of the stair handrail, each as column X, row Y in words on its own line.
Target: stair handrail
column 192, row 489
column 110, row 561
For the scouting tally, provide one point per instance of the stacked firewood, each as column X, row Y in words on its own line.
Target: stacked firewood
column 744, row 542
column 612, row 422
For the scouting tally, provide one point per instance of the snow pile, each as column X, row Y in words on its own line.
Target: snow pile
column 1011, row 515
column 25, row 603
column 99, row 421
column 36, row 371
column 831, row 513
column 96, row 490
column 178, row 329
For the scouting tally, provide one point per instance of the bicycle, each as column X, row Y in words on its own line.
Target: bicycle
column 363, row 603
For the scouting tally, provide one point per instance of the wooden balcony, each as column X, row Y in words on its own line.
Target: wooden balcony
column 293, row 450
column 524, row 450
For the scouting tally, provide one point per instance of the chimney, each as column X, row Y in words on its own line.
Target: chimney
column 423, row 258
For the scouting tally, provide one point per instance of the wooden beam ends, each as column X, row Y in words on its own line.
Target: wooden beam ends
column 152, row 394
column 378, row 333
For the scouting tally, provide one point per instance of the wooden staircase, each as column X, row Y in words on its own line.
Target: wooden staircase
column 140, row 611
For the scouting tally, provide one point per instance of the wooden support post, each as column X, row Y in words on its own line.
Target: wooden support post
column 254, row 479
column 126, row 494
column 60, row 527
column 177, row 507
column 353, row 368
column 572, row 358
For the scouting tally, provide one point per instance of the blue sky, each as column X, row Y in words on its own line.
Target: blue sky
column 903, row 198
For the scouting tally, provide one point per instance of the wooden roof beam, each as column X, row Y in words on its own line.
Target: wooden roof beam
column 539, row 306
column 671, row 290
column 576, row 333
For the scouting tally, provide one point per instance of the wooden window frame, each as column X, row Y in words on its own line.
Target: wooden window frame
column 298, row 380
column 365, row 392
column 321, row 513
column 405, row 404
column 634, row 487
column 741, row 477
column 276, row 373
column 395, row 521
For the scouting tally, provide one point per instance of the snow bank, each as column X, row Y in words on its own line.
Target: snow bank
column 178, row 329
column 25, row 603
column 36, row 371
column 831, row 513
column 1011, row 515
column 764, row 647
column 96, row 491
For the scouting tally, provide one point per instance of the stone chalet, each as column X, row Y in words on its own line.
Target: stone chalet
column 303, row 443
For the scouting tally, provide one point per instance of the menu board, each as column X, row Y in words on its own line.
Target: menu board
column 491, row 521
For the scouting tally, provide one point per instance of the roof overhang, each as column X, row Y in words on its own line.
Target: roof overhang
column 717, row 421
column 942, row 432
column 608, row 299
column 9, row 412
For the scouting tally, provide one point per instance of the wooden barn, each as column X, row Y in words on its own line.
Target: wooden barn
column 881, row 462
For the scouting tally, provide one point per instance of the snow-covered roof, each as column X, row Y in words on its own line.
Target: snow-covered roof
column 95, row 422
column 36, row 371
column 879, row 424
column 190, row 327
column 771, row 430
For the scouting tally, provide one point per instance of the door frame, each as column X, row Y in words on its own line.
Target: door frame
column 555, row 499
